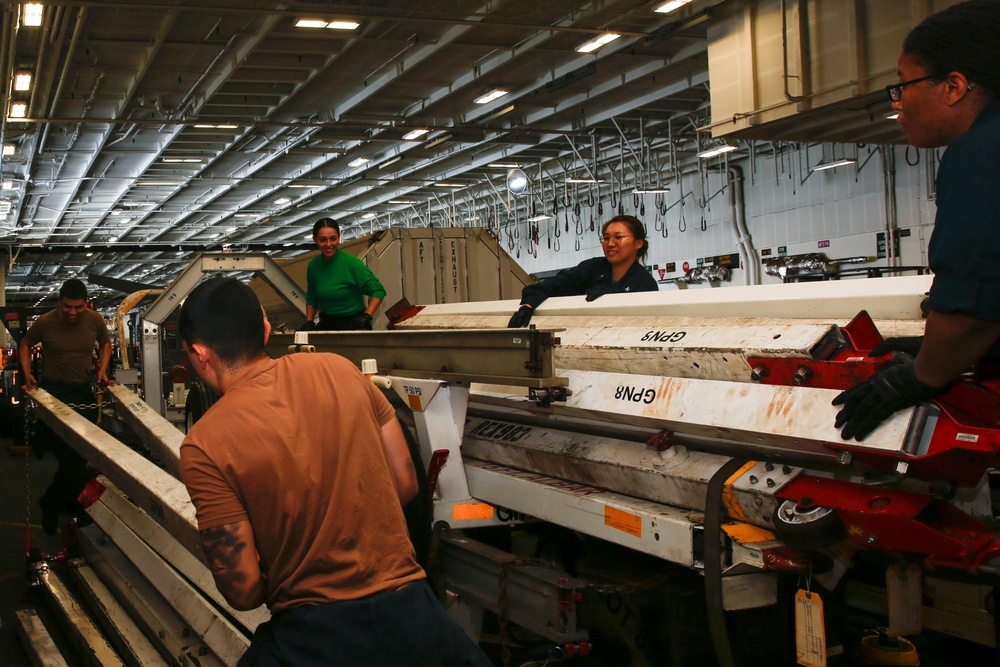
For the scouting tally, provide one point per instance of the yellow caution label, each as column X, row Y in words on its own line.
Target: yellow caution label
column 623, row 521
column 729, row 498
column 414, row 402
column 471, row 511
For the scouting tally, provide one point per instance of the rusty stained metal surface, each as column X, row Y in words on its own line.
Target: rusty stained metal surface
column 768, row 419
column 676, row 476
column 159, row 435
column 161, row 496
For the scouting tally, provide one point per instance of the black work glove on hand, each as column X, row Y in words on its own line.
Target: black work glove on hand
column 362, row 321
column 308, row 325
column 520, row 318
column 908, row 344
column 872, row 402
column 597, row 292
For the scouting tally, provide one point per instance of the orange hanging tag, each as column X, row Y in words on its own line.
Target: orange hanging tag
column 810, row 633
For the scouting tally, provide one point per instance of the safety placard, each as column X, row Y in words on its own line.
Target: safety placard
column 472, row 511
column 623, row 521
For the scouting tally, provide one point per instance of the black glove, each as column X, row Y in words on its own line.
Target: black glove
column 908, row 344
column 308, row 325
column 362, row 322
column 520, row 318
column 872, row 402
column 597, row 292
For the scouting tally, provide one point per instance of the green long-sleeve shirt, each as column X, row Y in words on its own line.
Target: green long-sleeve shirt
column 338, row 286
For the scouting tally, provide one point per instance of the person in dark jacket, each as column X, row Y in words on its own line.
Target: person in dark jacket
column 623, row 239
column 949, row 80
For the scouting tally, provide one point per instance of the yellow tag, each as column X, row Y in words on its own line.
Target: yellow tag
column 810, row 633
column 472, row 511
column 623, row 521
column 414, row 402
column 905, row 592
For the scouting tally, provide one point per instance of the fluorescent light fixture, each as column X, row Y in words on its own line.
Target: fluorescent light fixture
column 213, row 236
column 368, row 216
column 358, row 162
column 437, row 141
column 7, row 185
column 116, row 212
column 22, row 81
column 320, row 23
column 215, row 126
column 230, row 230
column 651, row 191
column 833, row 165
column 414, row 134
column 540, row 218
column 584, row 180
column 392, row 160
column 449, row 185
column 717, row 150
column 32, row 14
column 403, row 201
column 343, row 25
column 18, row 109
column 182, row 159
column 90, row 254
column 668, row 7
column 112, row 239
column 310, row 23
column 124, row 221
column 892, row 116
column 597, row 42
column 281, row 201
column 244, row 215
column 494, row 94
column 8, row 149
column 503, row 165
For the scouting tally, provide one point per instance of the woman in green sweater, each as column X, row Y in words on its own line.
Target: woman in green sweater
column 337, row 283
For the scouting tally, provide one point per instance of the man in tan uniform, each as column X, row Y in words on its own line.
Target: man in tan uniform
column 298, row 474
column 68, row 335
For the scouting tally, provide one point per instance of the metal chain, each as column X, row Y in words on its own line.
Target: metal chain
column 502, row 604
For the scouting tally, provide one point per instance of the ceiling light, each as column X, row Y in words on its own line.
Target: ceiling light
column 833, row 165
column 301, row 185
column 403, row 201
column 22, row 81
column 597, row 42
column 517, row 181
column 182, row 159
column 18, row 109
column 7, row 185
column 651, row 191
column 32, row 14
column 116, row 212
column 584, row 180
column 310, row 23
column 494, row 94
column 717, row 150
column 213, row 236
column 358, row 162
column 414, row 134
column 668, row 7
column 112, row 239
column 439, row 140
column 368, row 216
column 90, row 254
column 215, row 126
column 230, row 230
column 450, row 185
column 281, row 201
column 8, row 149
column 342, row 25
column 392, row 160
column 503, row 165
column 124, row 221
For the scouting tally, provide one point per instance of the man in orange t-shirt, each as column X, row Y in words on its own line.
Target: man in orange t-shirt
column 298, row 474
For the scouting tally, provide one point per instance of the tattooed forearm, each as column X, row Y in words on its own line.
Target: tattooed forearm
column 232, row 559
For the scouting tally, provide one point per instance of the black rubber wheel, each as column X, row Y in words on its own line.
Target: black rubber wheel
column 419, row 512
column 808, row 526
column 199, row 399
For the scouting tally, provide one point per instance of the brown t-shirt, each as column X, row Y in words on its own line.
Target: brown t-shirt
column 68, row 349
column 297, row 450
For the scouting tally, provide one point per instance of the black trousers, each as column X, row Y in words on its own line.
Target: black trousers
column 73, row 473
column 403, row 628
column 340, row 322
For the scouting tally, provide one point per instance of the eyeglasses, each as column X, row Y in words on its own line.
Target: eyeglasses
column 617, row 238
column 895, row 91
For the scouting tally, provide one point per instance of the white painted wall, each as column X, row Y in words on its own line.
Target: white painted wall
column 786, row 205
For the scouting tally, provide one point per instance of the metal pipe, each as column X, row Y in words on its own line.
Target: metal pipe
column 743, row 239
